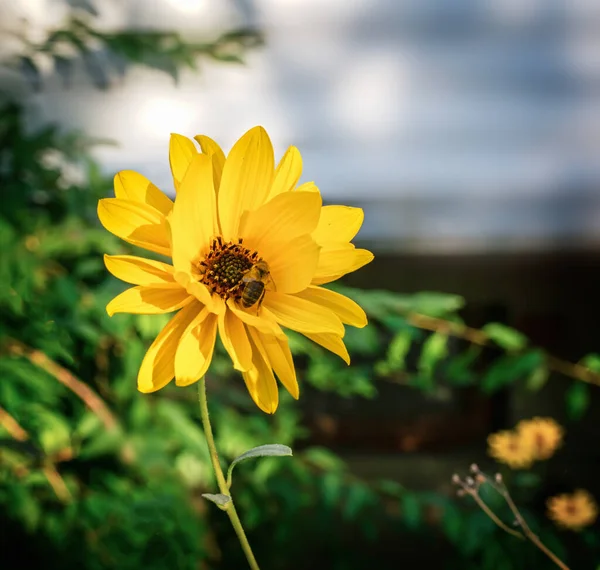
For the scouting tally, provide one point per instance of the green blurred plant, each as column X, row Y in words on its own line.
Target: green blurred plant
column 106, row 55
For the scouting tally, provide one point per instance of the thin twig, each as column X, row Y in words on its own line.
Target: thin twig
column 12, row 426
column 493, row 516
column 534, row 538
column 479, row 337
column 66, row 378
column 471, row 485
column 57, row 483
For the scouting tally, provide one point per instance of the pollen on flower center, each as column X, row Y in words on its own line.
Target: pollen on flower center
column 224, row 266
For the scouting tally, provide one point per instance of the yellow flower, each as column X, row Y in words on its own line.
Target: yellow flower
column 544, row 434
column 510, row 448
column 574, row 511
column 239, row 227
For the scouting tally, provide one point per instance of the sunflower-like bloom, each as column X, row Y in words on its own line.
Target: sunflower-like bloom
column 510, row 448
column 544, row 434
column 573, row 511
column 250, row 250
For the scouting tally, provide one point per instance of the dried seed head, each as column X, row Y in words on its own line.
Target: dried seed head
column 498, row 478
column 474, row 468
column 456, row 479
column 470, row 481
column 461, row 492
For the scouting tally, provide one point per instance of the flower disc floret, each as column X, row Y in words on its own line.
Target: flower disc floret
column 225, row 265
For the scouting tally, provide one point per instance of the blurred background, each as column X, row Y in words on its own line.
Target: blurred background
column 469, row 132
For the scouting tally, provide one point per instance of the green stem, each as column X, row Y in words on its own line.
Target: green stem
column 229, row 507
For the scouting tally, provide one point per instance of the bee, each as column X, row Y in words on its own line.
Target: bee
column 254, row 284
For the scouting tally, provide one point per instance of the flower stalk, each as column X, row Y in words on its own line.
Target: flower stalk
column 228, row 507
column 471, row 485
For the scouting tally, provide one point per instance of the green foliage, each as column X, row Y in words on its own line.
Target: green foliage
column 505, row 337
column 577, row 400
column 106, row 54
column 511, row 367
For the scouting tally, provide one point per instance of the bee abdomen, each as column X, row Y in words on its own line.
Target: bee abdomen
column 252, row 292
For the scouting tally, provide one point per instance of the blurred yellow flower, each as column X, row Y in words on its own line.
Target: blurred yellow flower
column 510, row 448
column 573, row 511
column 250, row 250
column 544, row 434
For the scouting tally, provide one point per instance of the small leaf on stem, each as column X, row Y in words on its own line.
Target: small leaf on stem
column 220, row 500
column 269, row 450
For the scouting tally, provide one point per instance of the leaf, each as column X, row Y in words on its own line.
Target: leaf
column 359, row 496
column 435, row 304
column 527, row 479
column 31, row 72
column 411, row 510
column 219, row 499
column 323, row 459
column 84, row 5
column 391, row 487
column 452, row 523
column 435, row 348
column 332, row 489
column 505, row 337
column 269, row 450
column 591, row 361
column 458, row 370
column 577, row 400
column 538, row 378
column 510, row 368
column 398, row 349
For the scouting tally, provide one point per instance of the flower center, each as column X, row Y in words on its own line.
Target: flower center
column 540, row 442
column 571, row 508
column 224, row 266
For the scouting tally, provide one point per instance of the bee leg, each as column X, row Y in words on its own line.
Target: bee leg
column 260, row 300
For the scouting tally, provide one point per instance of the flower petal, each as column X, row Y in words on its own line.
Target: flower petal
column 130, row 185
column 192, row 220
column 149, row 300
column 196, row 289
column 157, row 368
column 283, row 218
column 346, row 309
column 212, row 149
column 338, row 224
column 307, row 187
column 246, row 180
column 235, row 340
column 331, row 342
column 302, row 315
column 261, row 383
column 277, row 353
column 181, row 152
column 292, row 264
column 265, row 322
column 288, row 172
column 339, row 259
column 139, row 271
column 195, row 350
column 136, row 223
